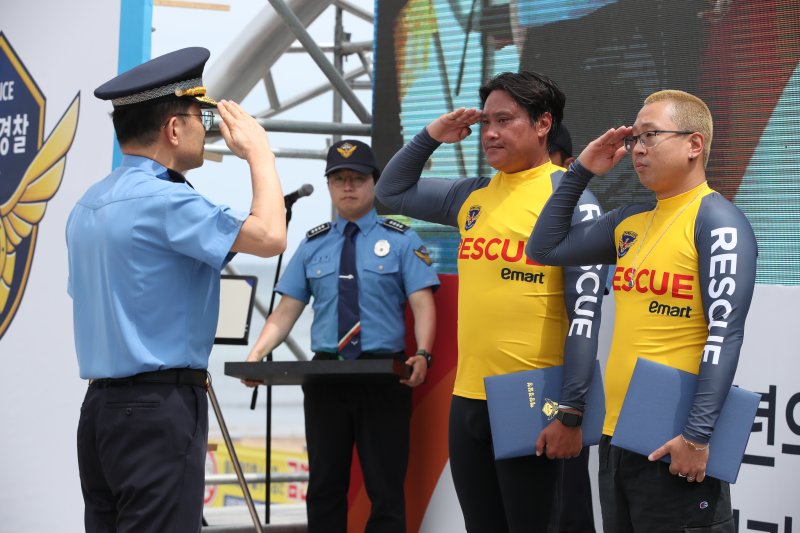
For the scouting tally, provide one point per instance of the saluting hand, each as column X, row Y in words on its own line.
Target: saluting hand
column 454, row 126
column 603, row 153
column 243, row 135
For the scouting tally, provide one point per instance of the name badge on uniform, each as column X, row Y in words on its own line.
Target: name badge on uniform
column 382, row 248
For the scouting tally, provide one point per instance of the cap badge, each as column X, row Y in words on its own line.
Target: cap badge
column 346, row 149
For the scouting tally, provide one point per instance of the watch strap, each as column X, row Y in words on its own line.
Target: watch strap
column 424, row 353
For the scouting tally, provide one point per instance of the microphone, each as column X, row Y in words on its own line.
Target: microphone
column 292, row 197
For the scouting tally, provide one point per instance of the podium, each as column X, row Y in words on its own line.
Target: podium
column 319, row 371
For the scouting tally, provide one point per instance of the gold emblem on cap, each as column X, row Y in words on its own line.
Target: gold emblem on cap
column 199, row 93
column 346, row 150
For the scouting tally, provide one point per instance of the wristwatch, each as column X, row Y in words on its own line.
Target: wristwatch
column 570, row 420
column 426, row 355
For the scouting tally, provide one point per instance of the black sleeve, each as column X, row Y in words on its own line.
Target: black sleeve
column 556, row 241
column 433, row 199
column 583, row 298
column 727, row 252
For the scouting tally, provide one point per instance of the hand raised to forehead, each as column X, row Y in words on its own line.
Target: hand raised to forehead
column 454, row 126
column 243, row 135
column 603, row 153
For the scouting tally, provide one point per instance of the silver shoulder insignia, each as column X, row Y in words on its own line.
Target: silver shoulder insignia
column 316, row 231
column 393, row 224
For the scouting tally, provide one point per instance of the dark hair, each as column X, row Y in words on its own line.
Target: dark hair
column 140, row 122
column 534, row 92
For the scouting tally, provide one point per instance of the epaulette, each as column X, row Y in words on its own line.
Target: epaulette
column 316, row 231
column 393, row 224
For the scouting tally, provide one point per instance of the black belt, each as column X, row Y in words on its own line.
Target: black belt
column 173, row 376
column 328, row 356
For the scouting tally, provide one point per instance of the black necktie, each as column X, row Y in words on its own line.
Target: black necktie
column 349, row 321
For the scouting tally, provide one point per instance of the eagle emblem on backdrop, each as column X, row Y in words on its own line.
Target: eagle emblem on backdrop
column 31, row 170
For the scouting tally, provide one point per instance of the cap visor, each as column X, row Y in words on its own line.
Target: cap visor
column 364, row 169
column 205, row 101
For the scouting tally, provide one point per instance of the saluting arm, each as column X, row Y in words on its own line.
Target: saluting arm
column 433, row 199
column 263, row 233
column 558, row 239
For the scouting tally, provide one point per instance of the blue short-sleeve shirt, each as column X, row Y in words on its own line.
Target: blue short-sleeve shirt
column 145, row 256
column 391, row 264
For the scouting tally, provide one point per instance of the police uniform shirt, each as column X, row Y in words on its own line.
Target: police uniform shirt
column 145, row 256
column 391, row 264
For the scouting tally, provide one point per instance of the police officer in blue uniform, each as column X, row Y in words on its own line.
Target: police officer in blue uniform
column 361, row 269
column 145, row 254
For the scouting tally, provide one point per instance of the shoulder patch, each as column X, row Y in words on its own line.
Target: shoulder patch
column 393, row 224
column 316, row 231
column 424, row 256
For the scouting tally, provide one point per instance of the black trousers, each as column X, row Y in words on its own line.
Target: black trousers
column 374, row 417
column 516, row 495
column 637, row 495
column 576, row 514
column 141, row 457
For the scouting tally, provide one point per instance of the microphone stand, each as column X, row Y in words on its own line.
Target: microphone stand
column 268, row 486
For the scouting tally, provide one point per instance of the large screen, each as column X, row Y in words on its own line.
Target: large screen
column 740, row 57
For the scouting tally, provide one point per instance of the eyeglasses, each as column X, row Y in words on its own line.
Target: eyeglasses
column 648, row 139
column 206, row 117
column 355, row 181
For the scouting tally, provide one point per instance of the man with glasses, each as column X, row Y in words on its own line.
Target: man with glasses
column 684, row 278
column 360, row 269
column 145, row 254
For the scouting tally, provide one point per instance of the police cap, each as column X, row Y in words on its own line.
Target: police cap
column 562, row 141
column 179, row 73
column 353, row 155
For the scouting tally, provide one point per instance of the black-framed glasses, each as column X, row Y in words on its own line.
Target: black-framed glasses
column 649, row 139
column 206, row 117
column 356, row 181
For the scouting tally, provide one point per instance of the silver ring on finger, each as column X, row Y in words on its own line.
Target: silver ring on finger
column 690, row 478
column 681, row 474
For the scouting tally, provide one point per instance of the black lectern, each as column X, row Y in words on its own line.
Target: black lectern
column 310, row 372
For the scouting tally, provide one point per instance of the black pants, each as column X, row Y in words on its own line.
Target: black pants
column 517, row 495
column 141, row 456
column 374, row 417
column 576, row 514
column 637, row 495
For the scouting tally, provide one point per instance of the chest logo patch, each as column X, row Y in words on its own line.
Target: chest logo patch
column 625, row 243
column 472, row 217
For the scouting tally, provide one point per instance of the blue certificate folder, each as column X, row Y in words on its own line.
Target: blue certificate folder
column 521, row 405
column 656, row 408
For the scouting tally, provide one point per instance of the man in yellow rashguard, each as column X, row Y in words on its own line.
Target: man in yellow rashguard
column 685, row 272
column 513, row 314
